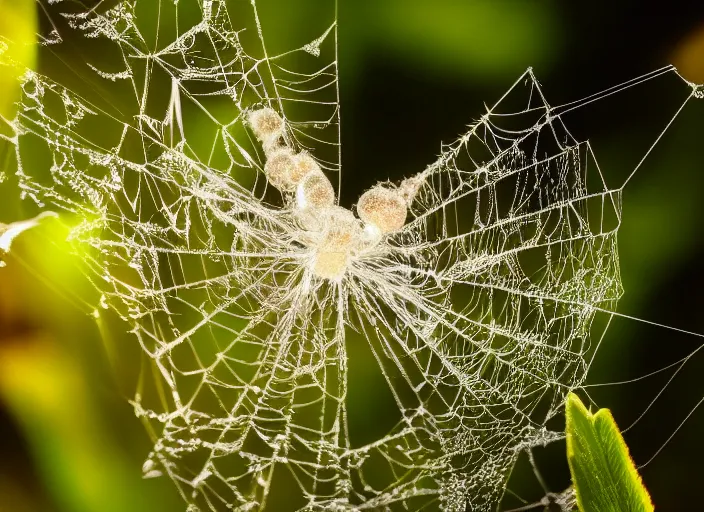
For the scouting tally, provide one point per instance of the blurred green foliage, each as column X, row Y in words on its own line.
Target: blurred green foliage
column 477, row 40
column 58, row 384
column 18, row 29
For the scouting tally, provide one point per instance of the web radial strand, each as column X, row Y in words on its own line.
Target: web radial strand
column 476, row 315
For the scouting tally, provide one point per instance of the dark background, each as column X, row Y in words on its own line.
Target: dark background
column 414, row 73
column 408, row 95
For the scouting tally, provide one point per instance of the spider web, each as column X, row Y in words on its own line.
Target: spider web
column 478, row 313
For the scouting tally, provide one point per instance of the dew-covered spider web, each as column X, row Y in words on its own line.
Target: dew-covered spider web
column 477, row 310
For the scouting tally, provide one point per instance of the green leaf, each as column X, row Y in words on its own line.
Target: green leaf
column 604, row 476
column 18, row 29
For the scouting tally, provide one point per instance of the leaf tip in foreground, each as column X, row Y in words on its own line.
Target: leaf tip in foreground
column 604, row 476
